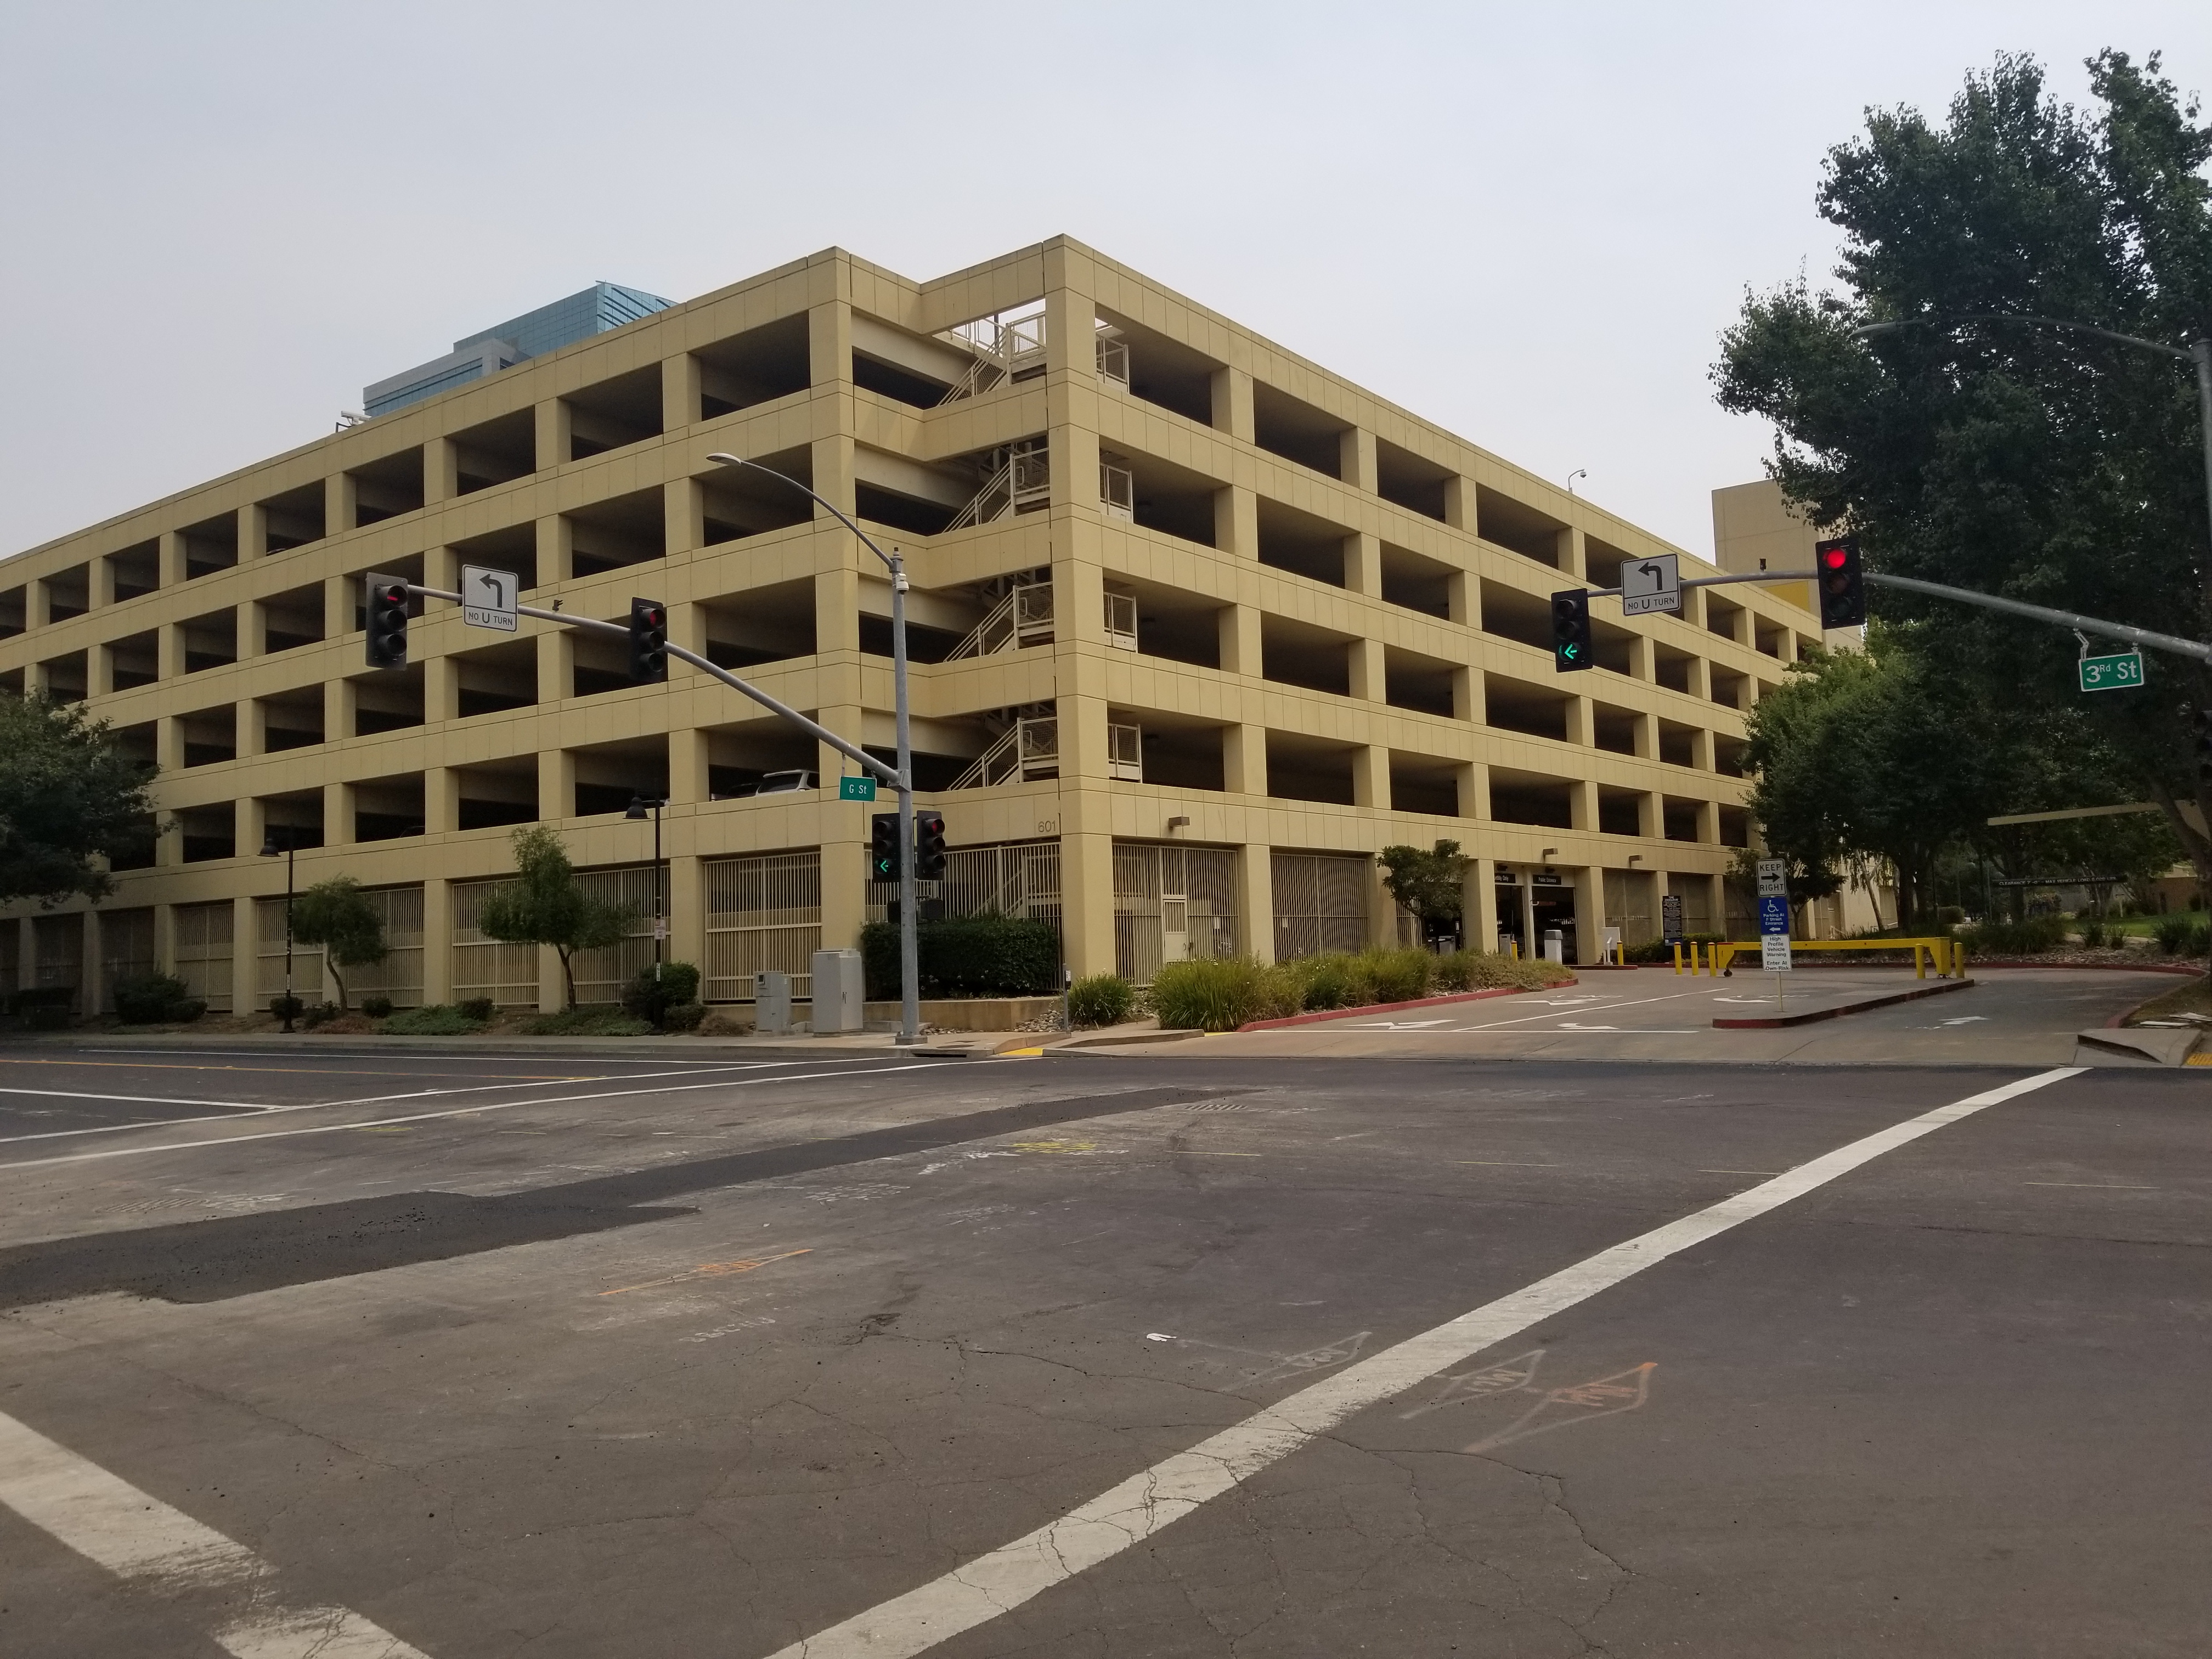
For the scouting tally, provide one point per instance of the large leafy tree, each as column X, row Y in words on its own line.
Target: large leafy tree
column 1428, row 884
column 2014, row 458
column 545, row 904
column 70, row 802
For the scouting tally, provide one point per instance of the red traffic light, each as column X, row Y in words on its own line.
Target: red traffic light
column 1835, row 558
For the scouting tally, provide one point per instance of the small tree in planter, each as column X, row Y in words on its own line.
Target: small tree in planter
column 345, row 921
column 1427, row 884
column 545, row 904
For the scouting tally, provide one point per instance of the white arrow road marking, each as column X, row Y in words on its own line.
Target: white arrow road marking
column 1646, row 1030
column 1963, row 1019
column 1149, row 1501
column 136, row 1537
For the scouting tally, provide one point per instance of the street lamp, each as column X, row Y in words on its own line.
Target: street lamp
column 2198, row 353
column 638, row 807
column 910, row 953
column 270, row 849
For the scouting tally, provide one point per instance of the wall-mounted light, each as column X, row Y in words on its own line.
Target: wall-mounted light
column 1176, row 823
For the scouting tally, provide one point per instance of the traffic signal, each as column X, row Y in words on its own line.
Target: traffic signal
column 1570, row 630
column 929, row 846
column 883, row 846
column 387, row 621
column 1843, row 585
column 648, row 641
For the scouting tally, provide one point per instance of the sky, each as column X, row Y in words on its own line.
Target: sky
column 1529, row 224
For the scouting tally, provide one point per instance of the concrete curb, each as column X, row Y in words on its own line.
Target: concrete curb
column 1861, row 1006
column 1392, row 1007
column 2160, row 1045
column 1107, row 1040
column 2089, row 966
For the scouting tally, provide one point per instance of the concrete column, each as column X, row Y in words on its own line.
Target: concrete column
column 1473, row 778
column 679, row 391
column 1574, row 562
column 1245, row 759
column 1086, row 897
column 1255, row 901
column 1643, row 658
column 441, row 567
column 829, row 357
column 1460, row 503
column 341, row 504
column 1708, row 823
column 1236, row 522
column 685, row 517
column 169, row 742
column 1647, row 737
column 1363, row 565
column 252, row 635
column 1582, row 797
column 99, row 671
column 553, row 436
column 844, row 890
column 1701, row 680
column 1365, row 660
column 99, row 582
column 1478, row 906
column 1371, row 777
column 1531, row 946
column 552, row 980
column 556, row 784
column 341, row 596
column 441, row 801
column 168, row 652
column 338, row 700
column 687, row 913
column 1589, row 913
column 168, row 838
column 92, row 975
column 1701, row 749
column 437, row 936
column 1355, row 459
column 338, row 815
column 1232, row 403
column 1240, row 639
column 173, row 558
column 252, row 728
column 687, row 775
column 1463, row 598
column 442, row 690
column 1582, row 722
column 557, row 665
column 1651, row 816
column 441, row 471
column 1467, row 696
column 245, row 960
column 1382, row 911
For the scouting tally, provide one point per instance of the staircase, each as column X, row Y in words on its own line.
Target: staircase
column 1028, row 749
column 1023, row 618
column 1020, row 481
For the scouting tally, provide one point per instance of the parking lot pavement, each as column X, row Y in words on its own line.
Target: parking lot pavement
column 2026, row 1017
column 1410, row 1357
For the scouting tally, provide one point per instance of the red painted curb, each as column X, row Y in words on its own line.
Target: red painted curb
column 1392, row 1007
column 1935, row 990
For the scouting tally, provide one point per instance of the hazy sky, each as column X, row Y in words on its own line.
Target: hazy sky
column 1525, row 224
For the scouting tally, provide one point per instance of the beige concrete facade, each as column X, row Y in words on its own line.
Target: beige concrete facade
column 1213, row 624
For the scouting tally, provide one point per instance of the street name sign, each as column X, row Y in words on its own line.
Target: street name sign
column 860, row 788
column 2123, row 671
column 488, row 598
column 1652, row 586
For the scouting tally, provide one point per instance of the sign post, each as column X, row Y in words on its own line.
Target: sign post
column 488, row 598
column 1652, row 586
column 1774, row 922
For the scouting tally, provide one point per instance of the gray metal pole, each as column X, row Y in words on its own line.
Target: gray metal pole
column 2201, row 354
column 909, row 944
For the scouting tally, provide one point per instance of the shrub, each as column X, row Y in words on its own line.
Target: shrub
column 650, row 996
column 987, row 956
column 321, row 1014
column 1217, row 993
column 376, row 1007
column 1100, row 1000
column 2182, row 935
column 145, row 999
column 683, row 1017
column 49, row 1017
column 2015, row 939
column 286, row 1008
column 1474, row 970
column 2093, row 935
column 31, row 998
column 438, row 1019
column 478, row 1008
column 585, row 1021
column 1399, row 975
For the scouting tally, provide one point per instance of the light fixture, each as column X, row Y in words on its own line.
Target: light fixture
column 1636, row 858
column 1549, row 851
column 1176, row 823
column 637, row 812
column 270, row 849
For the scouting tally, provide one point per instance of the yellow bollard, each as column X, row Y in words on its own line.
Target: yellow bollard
column 1919, row 961
column 1678, row 958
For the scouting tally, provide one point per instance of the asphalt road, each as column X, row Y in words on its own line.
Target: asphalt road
column 363, row 1353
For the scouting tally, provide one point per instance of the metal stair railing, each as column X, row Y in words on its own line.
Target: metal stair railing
column 1028, row 749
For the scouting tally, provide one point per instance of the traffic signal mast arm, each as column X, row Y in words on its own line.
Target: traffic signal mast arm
column 621, row 631
column 2142, row 636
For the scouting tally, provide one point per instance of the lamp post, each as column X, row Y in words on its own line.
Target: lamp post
column 270, row 849
column 638, row 805
column 910, row 953
column 2198, row 353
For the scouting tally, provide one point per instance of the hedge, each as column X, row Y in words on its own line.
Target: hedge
column 987, row 956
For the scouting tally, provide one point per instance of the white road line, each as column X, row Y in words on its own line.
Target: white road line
column 1143, row 1504
column 138, row 1537
column 423, row 1117
column 141, row 1100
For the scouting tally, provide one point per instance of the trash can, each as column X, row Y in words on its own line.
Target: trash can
column 1555, row 945
column 772, row 1003
column 841, row 992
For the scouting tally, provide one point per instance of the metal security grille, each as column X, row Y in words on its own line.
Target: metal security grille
column 763, row 915
column 126, row 948
column 1019, row 878
column 204, row 941
column 507, row 974
column 1629, row 905
column 307, row 982
column 60, row 942
column 602, row 974
column 1320, row 903
column 1171, row 903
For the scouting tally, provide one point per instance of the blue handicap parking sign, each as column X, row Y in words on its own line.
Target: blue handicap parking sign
column 1773, row 915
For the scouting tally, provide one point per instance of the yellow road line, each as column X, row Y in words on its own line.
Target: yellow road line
column 297, row 1071
column 707, row 1270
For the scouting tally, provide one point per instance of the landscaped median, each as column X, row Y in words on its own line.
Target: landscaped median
column 1237, row 993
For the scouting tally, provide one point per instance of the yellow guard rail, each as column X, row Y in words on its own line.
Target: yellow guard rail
column 1948, row 956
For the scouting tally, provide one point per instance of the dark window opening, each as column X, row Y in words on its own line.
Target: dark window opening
column 1517, row 527
column 901, row 512
column 496, row 453
column 294, row 519
column 761, row 364
column 388, row 487
column 513, row 550
column 1301, row 543
column 873, row 375
column 1410, row 480
column 1297, row 431
column 922, row 644
column 135, row 571
column 210, row 546
column 615, row 413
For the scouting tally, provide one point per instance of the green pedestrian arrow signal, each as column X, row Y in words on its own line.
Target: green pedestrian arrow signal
column 2121, row 671
column 860, row 788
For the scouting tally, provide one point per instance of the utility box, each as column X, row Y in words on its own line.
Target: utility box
column 772, row 1003
column 840, row 992
column 1555, row 945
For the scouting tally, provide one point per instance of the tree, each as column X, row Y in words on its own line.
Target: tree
column 547, row 905
column 1427, row 884
column 2037, row 463
column 338, row 915
column 69, row 796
